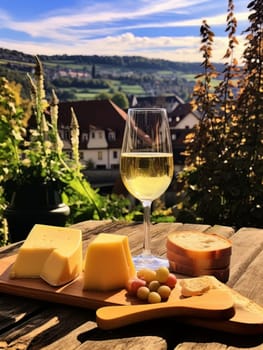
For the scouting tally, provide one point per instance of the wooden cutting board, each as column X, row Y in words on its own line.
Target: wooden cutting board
column 248, row 318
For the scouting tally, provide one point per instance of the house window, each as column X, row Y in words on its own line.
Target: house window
column 93, row 135
column 84, row 137
column 81, row 155
column 115, row 154
column 100, row 135
column 99, row 155
column 112, row 136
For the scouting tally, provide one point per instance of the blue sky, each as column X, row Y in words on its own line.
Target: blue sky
column 167, row 29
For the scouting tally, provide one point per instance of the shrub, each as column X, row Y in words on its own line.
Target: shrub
column 224, row 155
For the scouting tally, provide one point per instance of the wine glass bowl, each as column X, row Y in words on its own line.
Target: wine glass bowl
column 146, row 167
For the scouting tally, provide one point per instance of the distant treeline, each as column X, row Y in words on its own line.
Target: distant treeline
column 155, row 76
column 123, row 61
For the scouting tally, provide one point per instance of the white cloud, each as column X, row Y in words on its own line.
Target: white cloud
column 106, row 29
column 170, row 48
column 60, row 25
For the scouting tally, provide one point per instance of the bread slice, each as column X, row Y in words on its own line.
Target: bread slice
column 196, row 245
column 203, row 262
column 221, row 274
column 195, row 286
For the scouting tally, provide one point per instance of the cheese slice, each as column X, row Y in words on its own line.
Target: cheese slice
column 51, row 253
column 108, row 263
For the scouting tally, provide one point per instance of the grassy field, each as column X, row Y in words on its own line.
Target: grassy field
column 90, row 94
column 144, row 80
column 133, row 89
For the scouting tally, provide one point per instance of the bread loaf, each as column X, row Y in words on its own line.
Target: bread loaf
column 201, row 263
column 194, row 245
column 194, row 253
column 221, row 274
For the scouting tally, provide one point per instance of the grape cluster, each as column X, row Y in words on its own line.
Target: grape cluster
column 153, row 286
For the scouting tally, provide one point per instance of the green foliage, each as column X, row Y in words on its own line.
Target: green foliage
column 81, row 83
column 35, row 155
column 120, row 99
column 3, row 229
column 103, row 96
column 224, row 165
column 116, row 207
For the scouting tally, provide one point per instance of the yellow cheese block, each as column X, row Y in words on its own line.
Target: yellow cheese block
column 51, row 253
column 108, row 263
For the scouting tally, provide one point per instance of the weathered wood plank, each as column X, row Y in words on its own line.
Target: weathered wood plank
column 224, row 231
column 250, row 282
column 247, row 245
column 53, row 323
column 14, row 310
column 203, row 346
column 212, row 346
column 131, row 343
column 10, row 249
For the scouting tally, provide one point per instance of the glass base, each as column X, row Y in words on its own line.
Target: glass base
column 149, row 261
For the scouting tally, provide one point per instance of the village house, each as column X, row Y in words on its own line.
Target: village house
column 102, row 123
column 169, row 102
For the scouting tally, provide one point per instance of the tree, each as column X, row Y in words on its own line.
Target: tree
column 93, row 71
column 103, row 96
column 224, row 156
column 120, row 99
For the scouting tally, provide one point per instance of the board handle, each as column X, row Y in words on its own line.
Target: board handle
column 214, row 304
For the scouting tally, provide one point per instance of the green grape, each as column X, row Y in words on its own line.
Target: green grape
column 162, row 274
column 154, row 285
column 143, row 292
column 147, row 275
column 157, row 287
column 154, row 297
column 164, row 291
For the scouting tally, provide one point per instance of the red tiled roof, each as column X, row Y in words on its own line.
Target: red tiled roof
column 101, row 114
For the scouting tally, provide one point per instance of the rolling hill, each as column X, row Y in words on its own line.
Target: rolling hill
column 85, row 77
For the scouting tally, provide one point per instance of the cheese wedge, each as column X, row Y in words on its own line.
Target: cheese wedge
column 108, row 263
column 51, row 253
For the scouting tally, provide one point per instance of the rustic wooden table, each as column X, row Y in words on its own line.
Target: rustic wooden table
column 32, row 324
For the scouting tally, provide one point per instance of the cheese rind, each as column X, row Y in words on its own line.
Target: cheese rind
column 108, row 263
column 51, row 253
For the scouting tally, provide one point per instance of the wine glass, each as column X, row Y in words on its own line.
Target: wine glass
column 146, row 168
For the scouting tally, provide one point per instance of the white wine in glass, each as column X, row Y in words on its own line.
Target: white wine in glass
column 146, row 168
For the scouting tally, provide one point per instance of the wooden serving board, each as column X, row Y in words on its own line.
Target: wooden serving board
column 248, row 318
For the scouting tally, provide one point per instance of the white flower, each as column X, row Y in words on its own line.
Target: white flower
column 26, row 162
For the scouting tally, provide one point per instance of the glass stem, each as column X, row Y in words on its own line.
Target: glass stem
column 146, row 223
